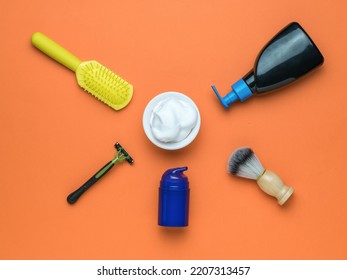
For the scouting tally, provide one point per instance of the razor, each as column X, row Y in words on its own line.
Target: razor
column 121, row 155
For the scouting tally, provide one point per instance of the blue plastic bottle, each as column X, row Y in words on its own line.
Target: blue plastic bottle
column 174, row 198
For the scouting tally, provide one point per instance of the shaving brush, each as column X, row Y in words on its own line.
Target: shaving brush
column 244, row 163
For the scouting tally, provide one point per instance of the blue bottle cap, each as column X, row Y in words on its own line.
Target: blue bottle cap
column 174, row 198
column 239, row 91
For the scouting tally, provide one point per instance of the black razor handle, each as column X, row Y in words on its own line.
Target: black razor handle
column 74, row 196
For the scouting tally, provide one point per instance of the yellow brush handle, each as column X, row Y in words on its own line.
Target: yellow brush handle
column 55, row 51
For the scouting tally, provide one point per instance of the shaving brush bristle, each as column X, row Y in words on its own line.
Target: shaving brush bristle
column 244, row 163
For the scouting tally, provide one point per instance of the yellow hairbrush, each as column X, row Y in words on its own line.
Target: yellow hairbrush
column 91, row 75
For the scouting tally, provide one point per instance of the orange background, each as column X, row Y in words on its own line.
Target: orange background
column 55, row 136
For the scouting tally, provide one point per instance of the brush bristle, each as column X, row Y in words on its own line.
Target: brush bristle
column 104, row 84
column 244, row 163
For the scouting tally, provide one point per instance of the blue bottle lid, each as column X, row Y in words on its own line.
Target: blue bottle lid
column 239, row 91
column 174, row 198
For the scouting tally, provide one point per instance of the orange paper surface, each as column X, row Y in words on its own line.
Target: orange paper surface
column 54, row 136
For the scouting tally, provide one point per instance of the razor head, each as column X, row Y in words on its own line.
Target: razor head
column 119, row 148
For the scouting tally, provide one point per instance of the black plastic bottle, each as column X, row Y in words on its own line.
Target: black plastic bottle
column 288, row 56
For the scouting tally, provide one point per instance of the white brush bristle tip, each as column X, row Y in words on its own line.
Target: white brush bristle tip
column 244, row 163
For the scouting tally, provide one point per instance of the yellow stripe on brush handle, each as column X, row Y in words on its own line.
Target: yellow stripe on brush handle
column 55, row 51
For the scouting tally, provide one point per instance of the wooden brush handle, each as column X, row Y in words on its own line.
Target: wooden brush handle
column 55, row 51
column 271, row 184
